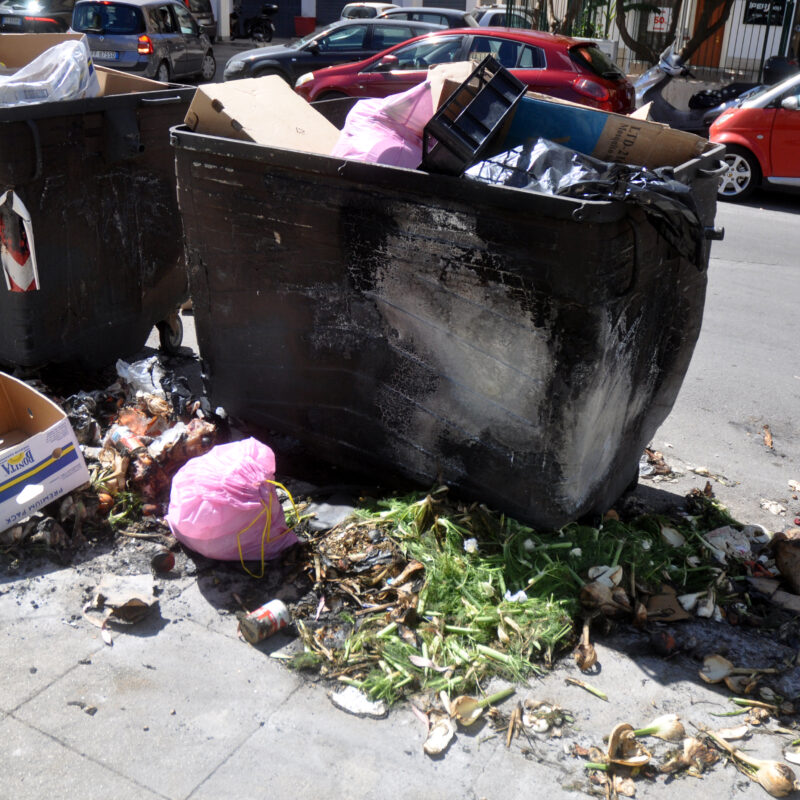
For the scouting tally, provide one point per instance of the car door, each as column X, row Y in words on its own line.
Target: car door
column 167, row 42
column 527, row 62
column 785, row 140
column 408, row 66
column 189, row 31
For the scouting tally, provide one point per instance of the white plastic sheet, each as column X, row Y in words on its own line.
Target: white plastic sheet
column 63, row 72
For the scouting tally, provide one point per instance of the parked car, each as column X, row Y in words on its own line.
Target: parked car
column 555, row 65
column 35, row 16
column 500, row 17
column 203, row 14
column 365, row 10
column 762, row 137
column 156, row 38
column 340, row 42
column 449, row 17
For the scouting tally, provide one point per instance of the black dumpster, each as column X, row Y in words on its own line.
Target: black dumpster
column 520, row 347
column 97, row 177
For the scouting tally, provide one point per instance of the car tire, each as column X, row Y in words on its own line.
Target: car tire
column 269, row 71
column 209, row 67
column 162, row 73
column 741, row 177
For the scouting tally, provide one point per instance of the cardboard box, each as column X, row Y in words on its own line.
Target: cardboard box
column 262, row 110
column 39, row 455
column 115, row 81
column 18, row 49
column 602, row 134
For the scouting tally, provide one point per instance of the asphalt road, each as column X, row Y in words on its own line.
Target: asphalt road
column 745, row 372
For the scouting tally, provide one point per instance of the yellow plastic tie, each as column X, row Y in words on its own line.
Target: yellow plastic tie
column 266, row 533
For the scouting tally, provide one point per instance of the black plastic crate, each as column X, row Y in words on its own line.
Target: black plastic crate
column 461, row 130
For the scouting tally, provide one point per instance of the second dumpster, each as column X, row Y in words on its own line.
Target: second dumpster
column 89, row 190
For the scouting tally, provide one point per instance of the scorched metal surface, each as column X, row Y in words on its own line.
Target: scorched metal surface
column 97, row 177
column 519, row 347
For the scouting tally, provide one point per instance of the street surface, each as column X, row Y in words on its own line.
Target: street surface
column 745, row 372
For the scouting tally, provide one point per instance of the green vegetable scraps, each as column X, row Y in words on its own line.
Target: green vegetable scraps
column 466, row 628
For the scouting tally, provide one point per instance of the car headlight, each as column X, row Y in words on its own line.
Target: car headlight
column 308, row 76
column 234, row 67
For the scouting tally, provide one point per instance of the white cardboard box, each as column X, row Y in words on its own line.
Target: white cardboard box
column 40, row 459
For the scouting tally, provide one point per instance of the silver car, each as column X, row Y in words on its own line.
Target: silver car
column 155, row 38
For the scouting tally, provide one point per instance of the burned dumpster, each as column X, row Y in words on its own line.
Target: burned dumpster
column 519, row 346
column 89, row 213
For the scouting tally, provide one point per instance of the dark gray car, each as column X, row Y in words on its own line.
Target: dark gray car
column 156, row 38
column 339, row 43
column 449, row 17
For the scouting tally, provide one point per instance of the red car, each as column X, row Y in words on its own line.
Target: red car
column 762, row 138
column 555, row 65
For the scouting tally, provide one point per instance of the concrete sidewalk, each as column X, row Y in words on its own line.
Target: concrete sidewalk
column 180, row 707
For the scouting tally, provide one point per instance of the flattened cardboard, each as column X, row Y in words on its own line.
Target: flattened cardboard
column 114, row 81
column 262, row 110
column 18, row 49
column 39, row 455
column 602, row 134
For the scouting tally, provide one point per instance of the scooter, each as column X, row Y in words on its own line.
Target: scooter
column 252, row 19
column 704, row 106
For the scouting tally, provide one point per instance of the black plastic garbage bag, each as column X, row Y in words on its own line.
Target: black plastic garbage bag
column 545, row 166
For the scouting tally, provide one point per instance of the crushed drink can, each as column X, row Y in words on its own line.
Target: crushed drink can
column 264, row 621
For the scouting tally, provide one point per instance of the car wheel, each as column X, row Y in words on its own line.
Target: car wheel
column 162, row 74
column 209, row 67
column 268, row 71
column 741, row 177
column 333, row 96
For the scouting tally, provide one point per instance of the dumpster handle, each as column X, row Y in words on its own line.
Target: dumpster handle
column 37, row 143
column 714, row 172
column 158, row 101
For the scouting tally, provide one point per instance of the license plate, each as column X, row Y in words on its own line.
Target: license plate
column 106, row 55
column 12, row 21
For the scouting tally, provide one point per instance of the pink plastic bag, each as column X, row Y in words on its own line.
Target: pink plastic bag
column 224, row 504
column 387, row 130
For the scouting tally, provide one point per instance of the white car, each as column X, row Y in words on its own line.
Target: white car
column 365, row 10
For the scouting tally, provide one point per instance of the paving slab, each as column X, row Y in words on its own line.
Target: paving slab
column 165, row 705
column 35, row 766
column 308, row 748
column 39, row 651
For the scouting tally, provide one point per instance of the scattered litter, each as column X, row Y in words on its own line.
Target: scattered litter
column 778, row 779
column 264, row 621
column 588, row 687
column 785, row 549
column 127, row 599
column 440, row 734
column 773, row 507
column 357, row 703
column 667, row 727
column 467, row 709
column 716, row 668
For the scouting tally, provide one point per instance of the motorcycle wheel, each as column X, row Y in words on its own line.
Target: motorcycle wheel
column 741, row 178
column 260, row 32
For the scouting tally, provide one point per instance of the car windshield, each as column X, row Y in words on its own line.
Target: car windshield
column 108, row 18
column 591, row 56
column 199, row 6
